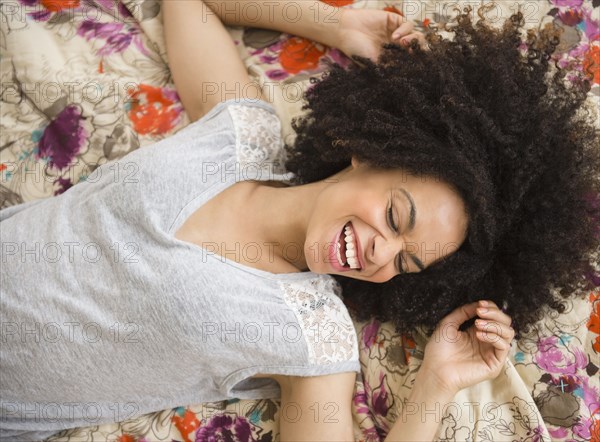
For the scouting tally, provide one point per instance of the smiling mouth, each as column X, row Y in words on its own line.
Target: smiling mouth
column 347, row 250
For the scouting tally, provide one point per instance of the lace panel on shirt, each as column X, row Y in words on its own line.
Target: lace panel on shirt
column 259, row 146
column 324, row 321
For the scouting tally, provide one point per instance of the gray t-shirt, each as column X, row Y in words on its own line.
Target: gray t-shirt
column 105, row 315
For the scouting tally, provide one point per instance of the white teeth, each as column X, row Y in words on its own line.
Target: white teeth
column 350, row 249
column 339, row 256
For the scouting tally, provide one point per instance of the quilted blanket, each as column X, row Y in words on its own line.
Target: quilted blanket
column 84, row 82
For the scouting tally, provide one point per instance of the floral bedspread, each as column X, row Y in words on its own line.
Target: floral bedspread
column 84, row 82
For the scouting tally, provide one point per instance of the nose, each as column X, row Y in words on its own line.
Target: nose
column 385, row 251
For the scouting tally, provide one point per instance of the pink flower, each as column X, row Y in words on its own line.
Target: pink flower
column 554, row 356
column 568, row 3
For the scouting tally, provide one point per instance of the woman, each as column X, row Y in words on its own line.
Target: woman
column 233, row 261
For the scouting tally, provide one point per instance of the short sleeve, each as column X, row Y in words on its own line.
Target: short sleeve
column 325, row 343
column 324, row 320
column 258, row 137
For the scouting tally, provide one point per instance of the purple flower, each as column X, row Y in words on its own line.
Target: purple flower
column 117, row 39
column 43, row 15
column 592, row 27
column 90, row 29
column 570, row 17
column 116, row 43
column 360, row 401
column 269, row 59
column 277, row 74
column 339, row 57
column 63, row 138
column 381, row 399
column 63, row 185
column 593, row 277
column 224, row 428
column 370, row 333
column 124, row 11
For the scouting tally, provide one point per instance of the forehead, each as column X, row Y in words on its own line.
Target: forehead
column 441, row 220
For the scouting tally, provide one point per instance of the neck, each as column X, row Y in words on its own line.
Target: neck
column 281, row 215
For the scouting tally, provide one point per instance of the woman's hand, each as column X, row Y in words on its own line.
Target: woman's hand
column 364, row 31
column 457, row 359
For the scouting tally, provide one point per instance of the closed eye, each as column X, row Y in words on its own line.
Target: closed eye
column 394, row 227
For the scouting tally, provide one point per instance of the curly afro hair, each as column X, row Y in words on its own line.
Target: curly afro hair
column 489, row 114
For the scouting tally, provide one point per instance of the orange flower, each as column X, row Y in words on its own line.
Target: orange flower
column 593, row 324
column 57, row 5
column 393, row 9
column 338, row 3
column 298, row 54
column 126, row 438
column 595, row 430
column 591, row 64
column 408, row 343
column 151, row 111
column 186, row 424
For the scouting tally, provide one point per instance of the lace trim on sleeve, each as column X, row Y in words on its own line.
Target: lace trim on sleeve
column 259, row 146
column 324, row 321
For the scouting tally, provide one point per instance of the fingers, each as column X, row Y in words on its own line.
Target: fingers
column 495, row 330
column 489, row 310
column 486, row 310
column 494, row 321
column 405, row 41
column 404, row 29
column 459, row 315
column 406, row 33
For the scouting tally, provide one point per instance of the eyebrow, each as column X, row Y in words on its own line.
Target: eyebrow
column 411, row 225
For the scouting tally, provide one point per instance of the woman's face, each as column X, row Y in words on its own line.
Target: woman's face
column 374, row 224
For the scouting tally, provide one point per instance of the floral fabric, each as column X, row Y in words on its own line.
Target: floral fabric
column 84, row 82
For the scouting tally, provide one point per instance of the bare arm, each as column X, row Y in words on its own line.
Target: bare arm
column 204, row 61
column 453, row 360
column 319, row 409
column 206, row 65
column 417, row 423
column 316, row 408
column 311, row 19
column 353, row 31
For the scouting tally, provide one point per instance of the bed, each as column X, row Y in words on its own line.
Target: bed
column 84, row 82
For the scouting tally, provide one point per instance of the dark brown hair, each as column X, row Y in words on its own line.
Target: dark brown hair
column 488, row 113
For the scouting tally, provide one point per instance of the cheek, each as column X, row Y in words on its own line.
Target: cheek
column 383, row 275
column 358, row 199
